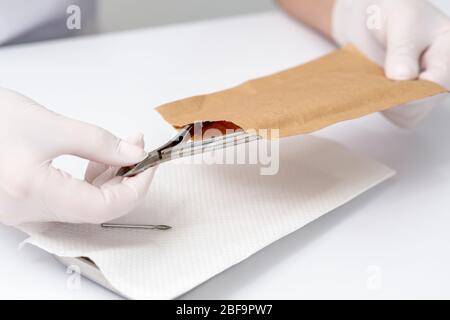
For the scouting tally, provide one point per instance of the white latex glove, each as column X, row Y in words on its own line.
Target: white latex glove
column 32, row 190
column 410, row 38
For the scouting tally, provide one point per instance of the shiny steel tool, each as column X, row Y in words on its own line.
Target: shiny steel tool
column 179, row 146
column 136, row 226
column 182, row 145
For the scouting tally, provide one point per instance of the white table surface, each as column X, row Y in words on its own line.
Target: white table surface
column 392, row 242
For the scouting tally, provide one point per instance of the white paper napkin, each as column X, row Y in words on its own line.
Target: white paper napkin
column 220, row 214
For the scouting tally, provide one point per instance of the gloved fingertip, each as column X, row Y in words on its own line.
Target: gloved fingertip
column 134, row 138
column 131, row 152
column 140, row 136
column 427, row 76
column 402, row 71
column 137, row 139
column 441, row 78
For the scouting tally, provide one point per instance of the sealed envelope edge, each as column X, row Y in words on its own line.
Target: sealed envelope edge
column 342, row 85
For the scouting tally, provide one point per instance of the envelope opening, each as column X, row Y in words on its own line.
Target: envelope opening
column 211, row 129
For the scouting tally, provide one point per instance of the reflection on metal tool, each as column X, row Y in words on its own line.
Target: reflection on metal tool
column 179, row 147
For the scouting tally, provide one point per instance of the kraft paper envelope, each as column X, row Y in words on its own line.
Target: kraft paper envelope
column 340, row 86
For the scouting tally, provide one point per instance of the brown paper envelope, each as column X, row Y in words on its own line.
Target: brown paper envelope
column 340, row 86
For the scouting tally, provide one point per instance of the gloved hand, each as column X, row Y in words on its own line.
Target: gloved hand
column 410, row 38
column 31, row 189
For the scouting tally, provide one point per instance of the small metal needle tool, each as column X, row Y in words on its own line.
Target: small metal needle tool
column 161, row 227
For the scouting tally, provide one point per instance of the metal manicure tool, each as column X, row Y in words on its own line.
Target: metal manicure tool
column 136, row 226
column 182, row 145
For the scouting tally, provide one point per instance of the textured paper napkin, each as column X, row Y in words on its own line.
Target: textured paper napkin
column 221, row 214
column 340, row 86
